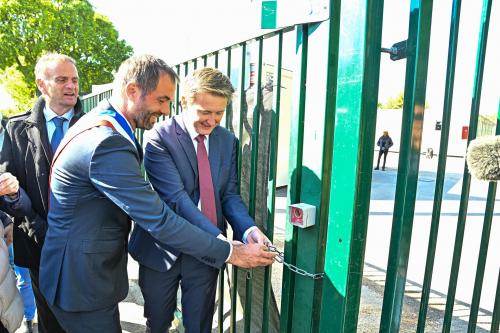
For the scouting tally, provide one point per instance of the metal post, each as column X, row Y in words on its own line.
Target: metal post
column 409, row 159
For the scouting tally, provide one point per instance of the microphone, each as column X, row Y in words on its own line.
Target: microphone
column 483, row 158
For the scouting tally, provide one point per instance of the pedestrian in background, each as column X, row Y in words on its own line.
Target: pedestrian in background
column 384, row 143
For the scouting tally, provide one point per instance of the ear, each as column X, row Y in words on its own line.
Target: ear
column 184, row 102
column 132, row 91
column 41, row 86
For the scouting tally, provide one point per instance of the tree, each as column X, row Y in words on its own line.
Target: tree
column 13, row 82
column 29, row 28
column 394, row 103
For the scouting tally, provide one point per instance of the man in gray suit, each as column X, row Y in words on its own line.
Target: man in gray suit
column 97, row 188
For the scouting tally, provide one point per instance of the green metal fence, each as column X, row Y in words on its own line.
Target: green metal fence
column 333, row 116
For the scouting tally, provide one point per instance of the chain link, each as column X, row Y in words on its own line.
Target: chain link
column 280, row 257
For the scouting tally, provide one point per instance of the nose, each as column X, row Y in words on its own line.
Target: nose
column 166, row 109
column 71, row 85
column 211, row 120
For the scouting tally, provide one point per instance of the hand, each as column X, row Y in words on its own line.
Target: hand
column 257, row 237
column 9, row 185
column 250, row 255
column 7, row 234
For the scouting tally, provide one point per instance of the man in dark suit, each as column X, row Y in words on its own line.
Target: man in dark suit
column 27, row 153
column 174, row 161
column 97, row 188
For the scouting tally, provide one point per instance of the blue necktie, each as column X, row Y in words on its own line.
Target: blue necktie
column 58, row 133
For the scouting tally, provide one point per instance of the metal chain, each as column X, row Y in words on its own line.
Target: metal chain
column 280, row 257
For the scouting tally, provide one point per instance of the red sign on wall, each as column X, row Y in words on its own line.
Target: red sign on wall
column 465, row 132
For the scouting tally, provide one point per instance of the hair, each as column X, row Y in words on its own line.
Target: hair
column 207, row 80
column 144, row 71
column 48, row 58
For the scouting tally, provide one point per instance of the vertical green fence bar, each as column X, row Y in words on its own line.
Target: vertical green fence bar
column 205, row 60
column 229, row 109
column 495, row 320
column 195, row 64
column 222, row 270
column 409, row 159
column 177, row 92
column 271, row 184
column 355, row 33
column 242, row 102
column 464, row 200
column 483, row 253
column 443, row 153
column 253, row 177
column 295, row 177
column 361, row 181
column 483, row 248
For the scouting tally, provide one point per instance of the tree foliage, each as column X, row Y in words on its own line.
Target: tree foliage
column 394, row 103
column 13, row 82
column 29, row 28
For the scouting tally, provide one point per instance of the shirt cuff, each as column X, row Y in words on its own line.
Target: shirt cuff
column 12, row 198
column 222, row 237
column 247, row 232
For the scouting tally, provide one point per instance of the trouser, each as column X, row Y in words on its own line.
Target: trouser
column 24, row 286
column 47, row 322
column 105, row 320
column 198, row 284
column 380, row 153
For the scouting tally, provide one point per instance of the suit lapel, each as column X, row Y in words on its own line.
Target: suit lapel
column 186, row 144
column 37, row 131
column 38, row 141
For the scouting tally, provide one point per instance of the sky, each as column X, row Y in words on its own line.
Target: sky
column 181, row 30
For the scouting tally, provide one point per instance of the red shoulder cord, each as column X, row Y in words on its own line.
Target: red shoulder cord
column 68, row 139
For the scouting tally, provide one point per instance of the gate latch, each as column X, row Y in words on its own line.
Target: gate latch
column 397, row 51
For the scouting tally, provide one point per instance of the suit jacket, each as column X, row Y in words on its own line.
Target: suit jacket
column 26, row 153
column 96, row 188
column 172, row 167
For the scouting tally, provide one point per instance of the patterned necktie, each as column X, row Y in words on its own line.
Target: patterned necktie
column 207, row 197
column 58, row 133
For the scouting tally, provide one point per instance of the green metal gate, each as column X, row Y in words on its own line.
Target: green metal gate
column 333, row 117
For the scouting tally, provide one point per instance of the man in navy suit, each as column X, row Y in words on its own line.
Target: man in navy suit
column 97, row 188
column 173, row 165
